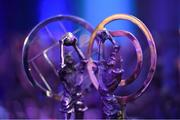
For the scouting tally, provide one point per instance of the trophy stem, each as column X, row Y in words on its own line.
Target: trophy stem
column 67, row 116
column 79, row 115
column 122, row 112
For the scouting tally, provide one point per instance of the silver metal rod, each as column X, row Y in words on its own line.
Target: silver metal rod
column 62, row 26
column 50, row 63
column 47, row 49
column 76, row 31
column 37, row 82
column 41, row 76
column 62, row 53
column 50, row 34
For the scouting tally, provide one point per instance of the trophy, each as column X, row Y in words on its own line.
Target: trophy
column 68, row 68
column 106, row 72
column 55, row 63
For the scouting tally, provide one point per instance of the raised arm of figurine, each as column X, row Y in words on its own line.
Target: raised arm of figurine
column 69, row 75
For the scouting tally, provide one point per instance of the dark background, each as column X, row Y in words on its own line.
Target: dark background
column 18, row 17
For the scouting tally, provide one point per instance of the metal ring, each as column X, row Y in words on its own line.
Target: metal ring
column 139, row 55
column 29, row 40
column 151, row 44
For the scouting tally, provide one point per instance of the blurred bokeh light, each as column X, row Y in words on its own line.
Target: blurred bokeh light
column 161, row 100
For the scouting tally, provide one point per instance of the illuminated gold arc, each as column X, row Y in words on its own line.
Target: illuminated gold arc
column 151, row 44
column 117, row 17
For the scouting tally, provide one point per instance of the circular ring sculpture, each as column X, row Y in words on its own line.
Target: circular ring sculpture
column 29, row 40
column 139, row 55
column 153, row 55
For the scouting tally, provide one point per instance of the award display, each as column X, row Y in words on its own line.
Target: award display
column 58, row 59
